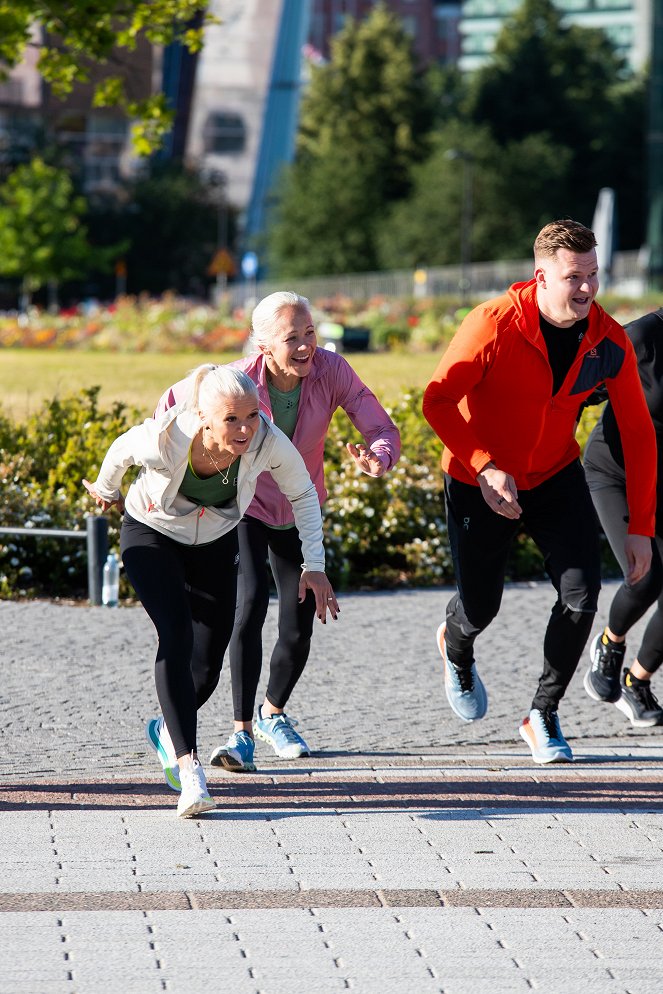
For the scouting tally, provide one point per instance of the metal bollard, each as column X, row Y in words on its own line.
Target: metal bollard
column 96, row 527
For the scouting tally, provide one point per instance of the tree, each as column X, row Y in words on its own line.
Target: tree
column 77, row 36
column 511, row 196
column 172, row 221
column 42, row 238
column 565, row 82
column 363, row 124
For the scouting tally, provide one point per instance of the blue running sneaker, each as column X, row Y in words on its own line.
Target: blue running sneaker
column 465, row 691
column 542, row 732
column 158, row 737
column 279, row 733
column 236, row 755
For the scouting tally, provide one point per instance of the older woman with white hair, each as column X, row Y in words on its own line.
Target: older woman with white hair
column 200, row 462
column 300, row 386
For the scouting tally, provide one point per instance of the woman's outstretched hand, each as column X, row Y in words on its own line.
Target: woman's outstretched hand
column 101, row 501
column 325, row 598
column 366, row 460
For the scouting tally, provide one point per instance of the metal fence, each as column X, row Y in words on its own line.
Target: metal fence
column 96, row 538
column 479, row 279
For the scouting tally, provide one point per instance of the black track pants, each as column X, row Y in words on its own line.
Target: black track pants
column 559, row 516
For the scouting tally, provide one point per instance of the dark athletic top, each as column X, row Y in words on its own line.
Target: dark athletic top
column 562, row 345
column 603, row 452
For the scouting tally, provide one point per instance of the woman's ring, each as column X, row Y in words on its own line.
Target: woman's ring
column 500, row 500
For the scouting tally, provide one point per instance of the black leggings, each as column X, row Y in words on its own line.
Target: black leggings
column 559, row 516
column 631, row 602
column 189, row 592
column 282, row 545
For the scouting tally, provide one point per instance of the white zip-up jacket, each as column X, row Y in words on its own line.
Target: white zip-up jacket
column 160, row 446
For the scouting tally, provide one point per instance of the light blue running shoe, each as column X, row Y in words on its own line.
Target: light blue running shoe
column 543, row 734
column 236, row 755
column 157, row 735
column 465, row 691
column 279, row 733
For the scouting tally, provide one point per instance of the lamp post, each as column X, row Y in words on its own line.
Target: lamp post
column 467, row 159
column 216, row 184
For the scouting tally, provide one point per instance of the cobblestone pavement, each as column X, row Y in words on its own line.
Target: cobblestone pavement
column 410, row 852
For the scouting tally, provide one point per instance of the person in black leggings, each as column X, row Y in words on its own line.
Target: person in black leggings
column 290, row 654
column 300, row 386
column 186, row 590
column 199, row 464
column 607, row 679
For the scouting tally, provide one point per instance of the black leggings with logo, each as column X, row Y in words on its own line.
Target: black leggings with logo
column 559, row 516
column 189, row 592
column 257, row 543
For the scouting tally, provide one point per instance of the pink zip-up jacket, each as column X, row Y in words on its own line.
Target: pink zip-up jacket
column 332, row 383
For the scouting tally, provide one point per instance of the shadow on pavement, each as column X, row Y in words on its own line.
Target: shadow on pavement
column 368, row 793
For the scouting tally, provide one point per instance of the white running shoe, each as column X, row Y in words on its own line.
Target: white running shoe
column 157, row 735
column 194, row 799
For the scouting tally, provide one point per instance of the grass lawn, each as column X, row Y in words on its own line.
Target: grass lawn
column 30, row 376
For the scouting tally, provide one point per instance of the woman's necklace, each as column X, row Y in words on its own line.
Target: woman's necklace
column 223, row 473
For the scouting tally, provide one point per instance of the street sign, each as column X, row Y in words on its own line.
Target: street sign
column 222, row 264
column 249, row 265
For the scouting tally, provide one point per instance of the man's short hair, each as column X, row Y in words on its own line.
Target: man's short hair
column 565, row 234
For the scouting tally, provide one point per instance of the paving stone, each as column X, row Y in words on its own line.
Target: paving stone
column 435, row 848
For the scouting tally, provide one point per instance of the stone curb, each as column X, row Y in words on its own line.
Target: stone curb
column 312, row 899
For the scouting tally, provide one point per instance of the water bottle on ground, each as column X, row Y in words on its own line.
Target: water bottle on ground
column 110, row 586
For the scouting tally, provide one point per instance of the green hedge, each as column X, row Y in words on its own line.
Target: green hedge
column 379, row 533
column 42, row 464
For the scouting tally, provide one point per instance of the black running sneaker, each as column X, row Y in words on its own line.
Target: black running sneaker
column 638, row 702
column 602, row 679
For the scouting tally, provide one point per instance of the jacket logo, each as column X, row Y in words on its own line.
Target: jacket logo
column 592, row 354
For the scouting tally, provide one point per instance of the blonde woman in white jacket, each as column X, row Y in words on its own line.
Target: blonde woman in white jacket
column 199, row 465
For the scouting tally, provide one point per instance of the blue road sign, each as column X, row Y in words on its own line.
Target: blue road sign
column 249, row 265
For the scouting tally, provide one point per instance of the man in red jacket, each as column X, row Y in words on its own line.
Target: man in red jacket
column 504, row 399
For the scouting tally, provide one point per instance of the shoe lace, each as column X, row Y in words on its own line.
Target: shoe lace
column 193, row 776
column 465, row 677
column 551, row 721
column 645, row 695
column 285, row 726
column 610, row 658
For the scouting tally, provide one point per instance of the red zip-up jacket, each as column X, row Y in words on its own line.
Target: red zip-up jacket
column 490, row 400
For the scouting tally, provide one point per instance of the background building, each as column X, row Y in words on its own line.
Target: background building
column 95, row 142
column 251, row 73
column 626, row 22
column 433, row 24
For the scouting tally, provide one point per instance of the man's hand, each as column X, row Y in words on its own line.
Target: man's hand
column 638, row 557
column 499, row 491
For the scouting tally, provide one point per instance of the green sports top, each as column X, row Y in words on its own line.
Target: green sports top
column 210, row 491
column 285, row 407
